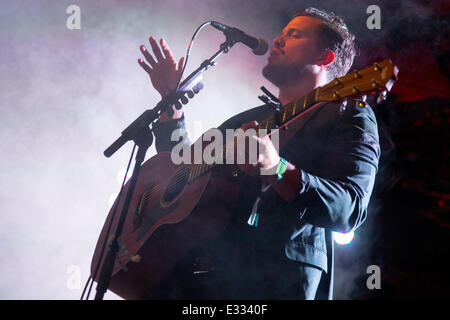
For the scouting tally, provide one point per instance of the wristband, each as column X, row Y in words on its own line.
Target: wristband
column 281, row 169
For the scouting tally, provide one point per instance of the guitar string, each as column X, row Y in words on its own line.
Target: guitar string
column 199, row 171
column 180, row 175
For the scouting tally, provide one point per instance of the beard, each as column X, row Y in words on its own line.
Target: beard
column 281, row 75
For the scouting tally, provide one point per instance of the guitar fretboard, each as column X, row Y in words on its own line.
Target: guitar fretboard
column 277, row 119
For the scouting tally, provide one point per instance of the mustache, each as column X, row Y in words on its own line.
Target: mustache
column 278, row 49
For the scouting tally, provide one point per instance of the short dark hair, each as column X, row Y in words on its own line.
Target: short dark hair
column 337, row 38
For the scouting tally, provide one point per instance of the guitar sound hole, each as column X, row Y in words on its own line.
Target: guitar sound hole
column 176, row 185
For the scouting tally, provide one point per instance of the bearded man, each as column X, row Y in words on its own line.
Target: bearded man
column 329, row 170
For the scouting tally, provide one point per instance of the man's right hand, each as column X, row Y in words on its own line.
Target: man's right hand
column 163, row 71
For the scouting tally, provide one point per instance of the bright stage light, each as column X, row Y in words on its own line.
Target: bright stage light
column 343, row 238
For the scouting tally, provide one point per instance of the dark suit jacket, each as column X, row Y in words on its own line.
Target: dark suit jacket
column 337, row 152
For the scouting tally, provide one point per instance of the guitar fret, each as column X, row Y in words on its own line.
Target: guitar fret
column 197, row 166
column 190, row 173
column 196, row 170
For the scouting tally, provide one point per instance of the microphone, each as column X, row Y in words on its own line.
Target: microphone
column 259, row 45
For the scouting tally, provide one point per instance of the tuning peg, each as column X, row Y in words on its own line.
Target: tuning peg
column 382, row 96
column 361, row 104
column 376, row 67
column 343, row 105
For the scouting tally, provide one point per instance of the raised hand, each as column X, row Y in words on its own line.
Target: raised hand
column 163, row 70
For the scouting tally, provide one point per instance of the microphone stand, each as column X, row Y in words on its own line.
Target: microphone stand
column 139, row 132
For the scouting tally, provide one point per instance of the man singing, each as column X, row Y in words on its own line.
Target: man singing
column 327, row 177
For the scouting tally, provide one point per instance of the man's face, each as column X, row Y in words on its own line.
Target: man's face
column 294, row 51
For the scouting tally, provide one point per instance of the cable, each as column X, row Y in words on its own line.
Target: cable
column 85, row 287
column 109, row 227
column 191, row 43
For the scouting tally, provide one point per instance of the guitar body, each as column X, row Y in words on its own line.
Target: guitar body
column 168, row 216
column 159, row 233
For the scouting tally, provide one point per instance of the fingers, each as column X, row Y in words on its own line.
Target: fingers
column 249, row 125
column 148, row 56
column 181, row 64
column 180, row 67
column 145, row 66
column 156, row 51
column 166, row 50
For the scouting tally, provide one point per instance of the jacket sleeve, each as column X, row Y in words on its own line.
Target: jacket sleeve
column 338, row 199
column 163, row 134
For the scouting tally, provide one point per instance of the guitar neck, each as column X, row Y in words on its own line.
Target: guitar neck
column 378, row 77
column 276, row 120
column 289, row 111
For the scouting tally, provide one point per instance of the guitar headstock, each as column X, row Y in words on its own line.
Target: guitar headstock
column 379, row 77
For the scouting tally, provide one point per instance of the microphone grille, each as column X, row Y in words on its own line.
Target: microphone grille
column 262, row 47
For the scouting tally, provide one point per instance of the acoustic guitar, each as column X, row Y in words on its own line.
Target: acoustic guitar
column 176, row 207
